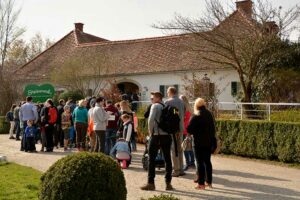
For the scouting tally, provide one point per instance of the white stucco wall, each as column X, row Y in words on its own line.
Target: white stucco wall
column 152, row 82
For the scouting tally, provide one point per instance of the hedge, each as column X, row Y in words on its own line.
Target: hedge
column 256, row 139
column 4, row 126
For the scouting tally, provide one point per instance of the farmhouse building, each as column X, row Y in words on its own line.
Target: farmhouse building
column 141, row 65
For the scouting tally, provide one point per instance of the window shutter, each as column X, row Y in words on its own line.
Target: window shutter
column 162, row 89
column 234, row 88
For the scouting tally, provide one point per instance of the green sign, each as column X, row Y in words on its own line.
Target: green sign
column 39, row 93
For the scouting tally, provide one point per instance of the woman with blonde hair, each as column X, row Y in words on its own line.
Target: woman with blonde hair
column 202, row 127
column 125, row 109
column 80, row 118
column 187, row 139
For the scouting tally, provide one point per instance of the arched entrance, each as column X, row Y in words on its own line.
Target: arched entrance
column 128, row 88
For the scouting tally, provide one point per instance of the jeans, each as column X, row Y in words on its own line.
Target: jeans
column 23, row 141
column 164, row 142
column 110, row 139
column 100, row 141
column 18, row 129
column 204, row 166
column 189, row 158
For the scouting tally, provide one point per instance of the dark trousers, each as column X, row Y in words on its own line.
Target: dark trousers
column 49, row 130
column 204, row 166
column 30, row 144
column 17, row 128
column 162, row 142
column 100, row 141
column 58, row 136
column 110, row 139
column 81, row 129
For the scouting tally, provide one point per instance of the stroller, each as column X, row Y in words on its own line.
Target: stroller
column 159, row 160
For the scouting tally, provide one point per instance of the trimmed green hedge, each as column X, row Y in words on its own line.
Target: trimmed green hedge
column 257, row 139
column 4, row 126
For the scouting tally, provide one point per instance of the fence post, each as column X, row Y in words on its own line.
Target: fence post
column 241, row 111
column 269, row 112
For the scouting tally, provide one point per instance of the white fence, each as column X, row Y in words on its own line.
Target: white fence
column 238, row 110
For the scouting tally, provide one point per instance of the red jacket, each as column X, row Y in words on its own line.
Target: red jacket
column 187, row 118
column 114, row 110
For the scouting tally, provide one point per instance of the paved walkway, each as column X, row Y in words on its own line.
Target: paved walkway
column 233, row 179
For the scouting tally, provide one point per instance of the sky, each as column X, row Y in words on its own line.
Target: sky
column 109, row 19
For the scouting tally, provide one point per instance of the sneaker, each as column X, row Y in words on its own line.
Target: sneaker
column 169, row 186
column 174, row 174
column 148, row 186
column 12, row 138
column 185, row 168
column 18, row 139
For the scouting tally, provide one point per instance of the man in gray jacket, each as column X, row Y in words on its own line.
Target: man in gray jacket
column 158, row 140
column 177, row 159
column 100, row 117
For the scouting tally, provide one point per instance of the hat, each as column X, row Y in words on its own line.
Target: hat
column 157, row 94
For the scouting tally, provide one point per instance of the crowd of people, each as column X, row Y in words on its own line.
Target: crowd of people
column 98, row 125
column 92, row 124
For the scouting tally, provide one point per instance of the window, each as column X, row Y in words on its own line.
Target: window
column 235, row 88
column 163, row 89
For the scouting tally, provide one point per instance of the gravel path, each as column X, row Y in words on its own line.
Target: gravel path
column 233, row 178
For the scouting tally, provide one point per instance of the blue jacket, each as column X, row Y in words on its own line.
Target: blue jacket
column 120, row 146
column 80, row 114
column 30, row 132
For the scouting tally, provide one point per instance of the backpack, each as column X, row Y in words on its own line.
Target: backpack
column 9, row 116
column 52, row 113
column 169, row 119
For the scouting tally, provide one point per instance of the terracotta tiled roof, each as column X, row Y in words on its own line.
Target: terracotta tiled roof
column 140, row 56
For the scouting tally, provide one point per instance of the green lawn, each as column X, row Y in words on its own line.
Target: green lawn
column 18, row 182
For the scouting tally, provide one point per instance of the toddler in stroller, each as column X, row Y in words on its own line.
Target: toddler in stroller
column 121, row 153
column 159, row 161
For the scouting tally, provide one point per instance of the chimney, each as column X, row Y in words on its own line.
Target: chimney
column 245, row 6
column 79, row 26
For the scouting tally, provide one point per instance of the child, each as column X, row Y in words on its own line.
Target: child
column 66, row 122
column 121, row 152
column 30, row 135
column 128, row 129
column 187, row 146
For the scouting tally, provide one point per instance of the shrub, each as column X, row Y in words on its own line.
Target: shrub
column 163, row 197
column 75, row 95
column 291, row 115
column 4, row 126
column 260, row 139
column 83, row 176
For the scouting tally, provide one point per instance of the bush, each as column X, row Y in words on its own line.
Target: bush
column 84, row 176
column 256, row 139
column 286, row 115
column 75, row 95
column 4, row 126
column 163, row 197
column 260, row 139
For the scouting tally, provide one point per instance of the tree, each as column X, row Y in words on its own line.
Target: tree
column 84, row 73
column 248, row 41
column 21, row 52
column 282, row 84
column 9, row 31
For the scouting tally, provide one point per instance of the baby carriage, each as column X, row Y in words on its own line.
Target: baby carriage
column 159, row 160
